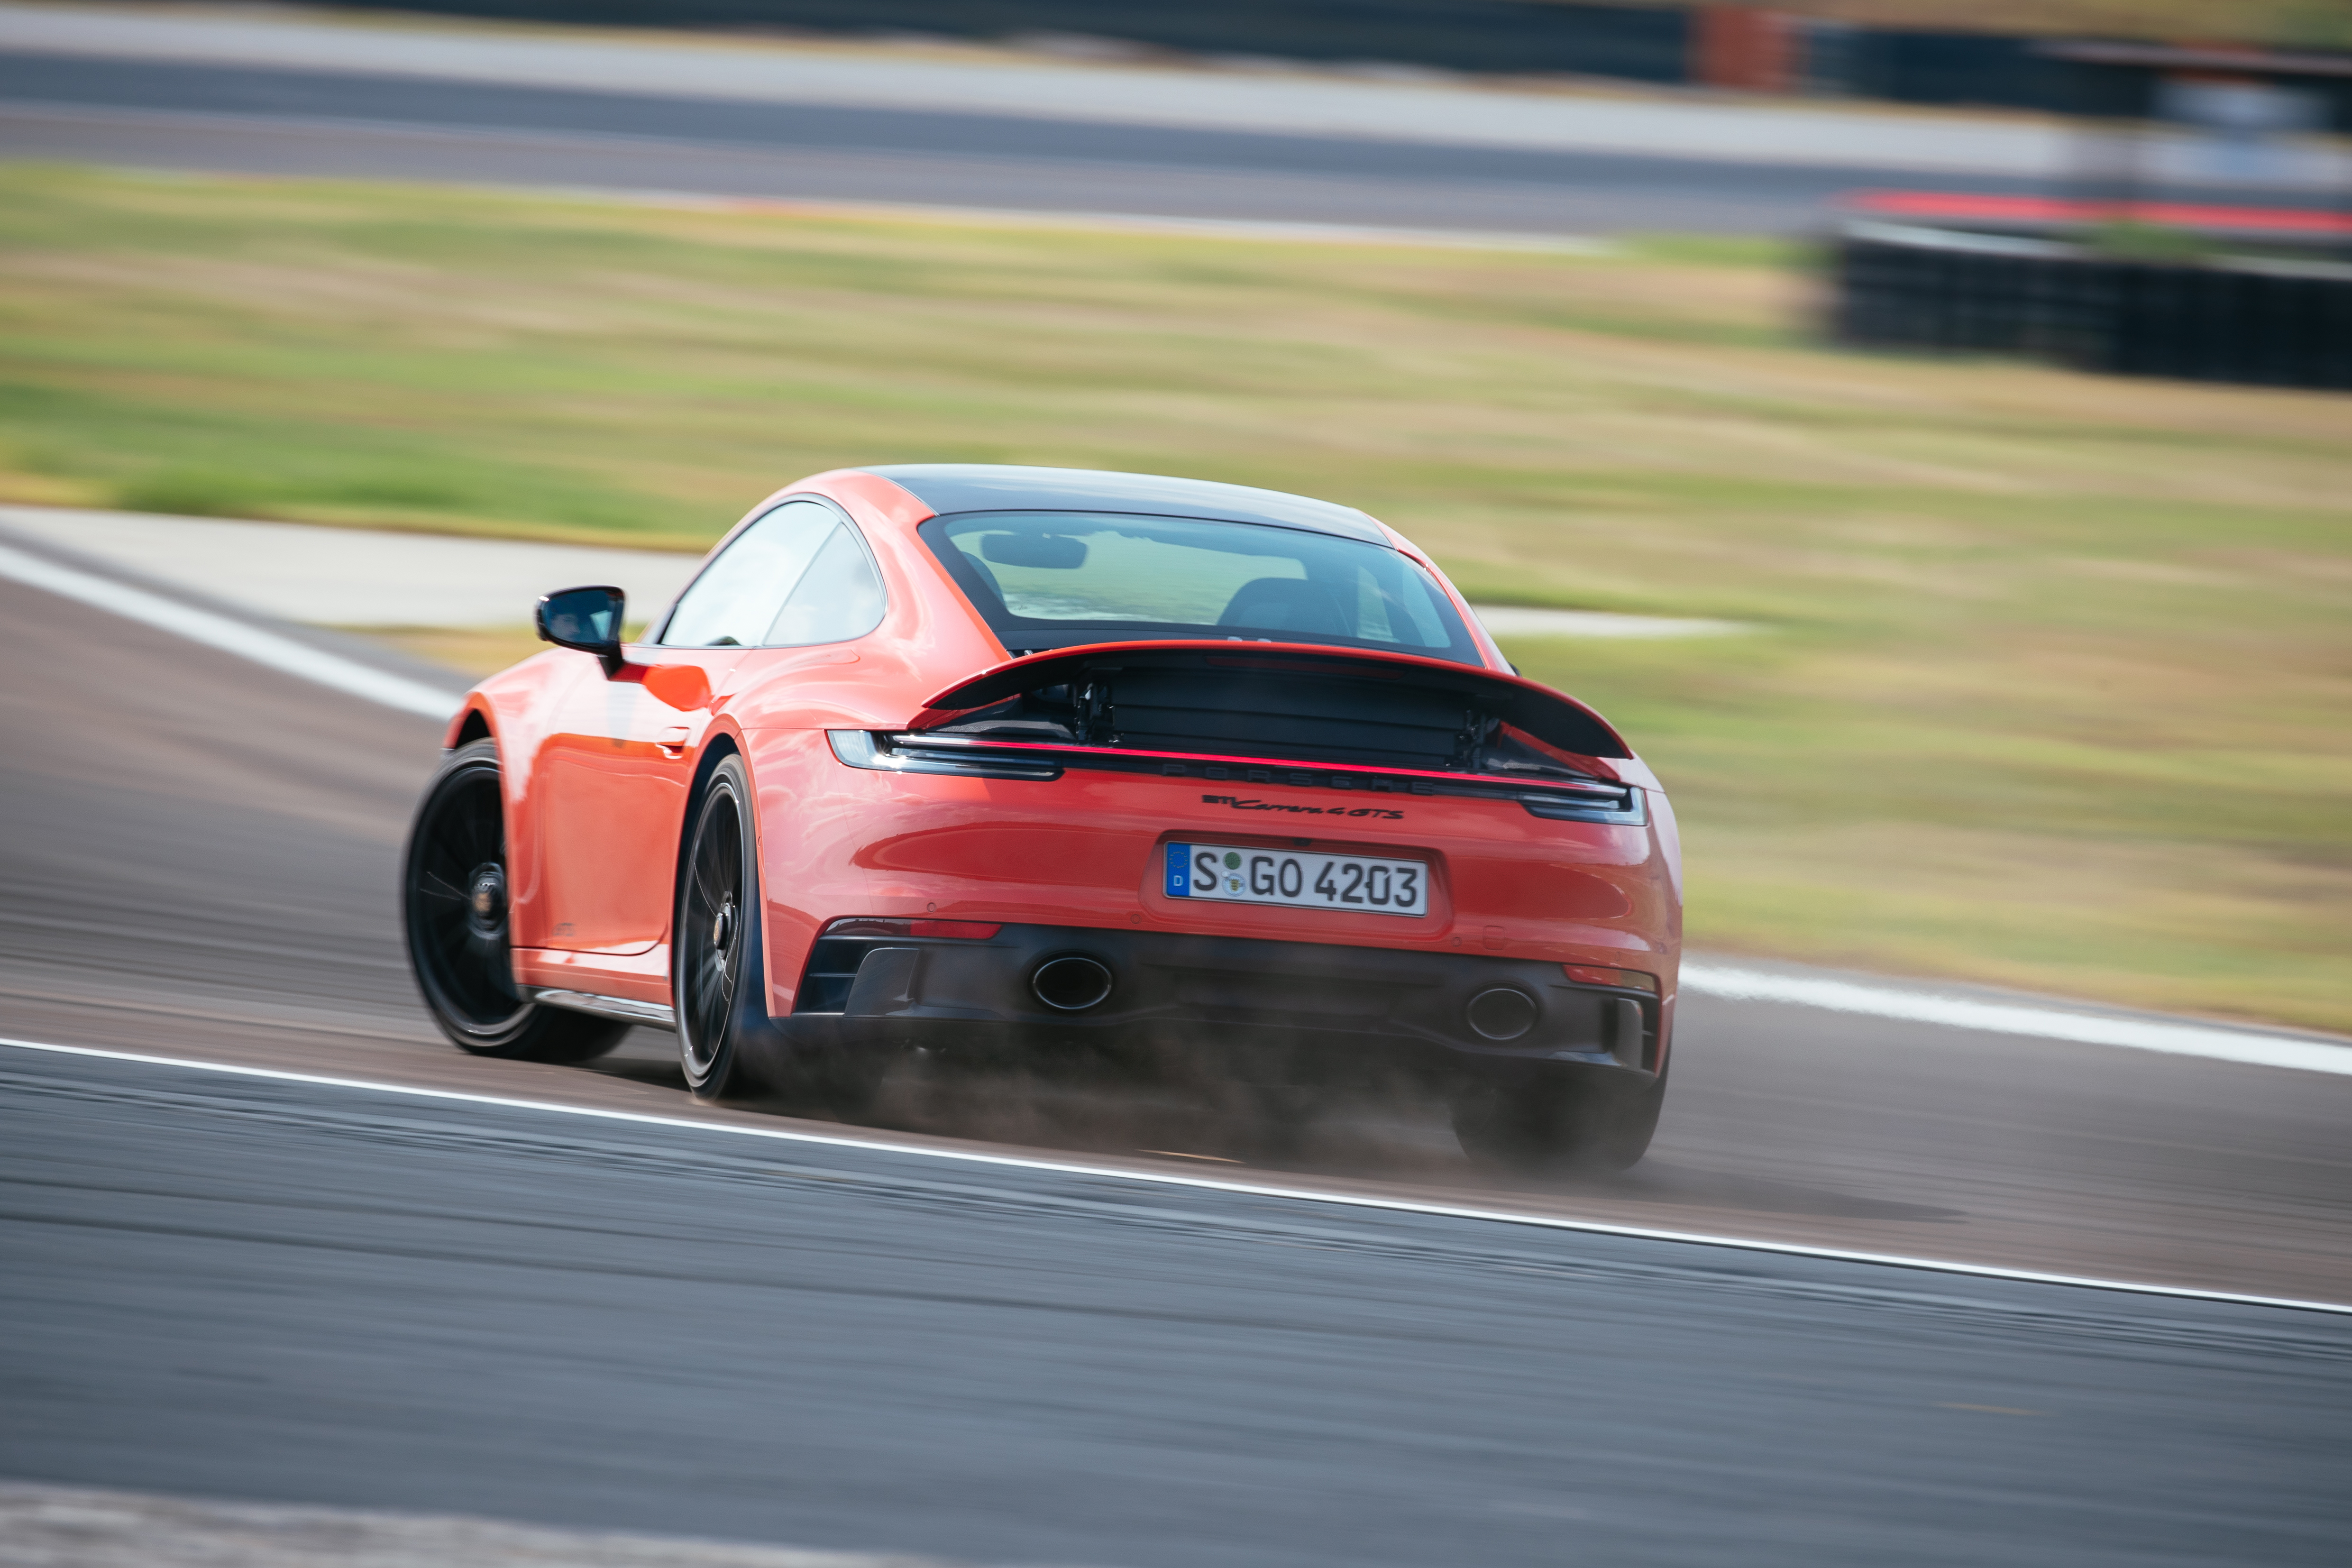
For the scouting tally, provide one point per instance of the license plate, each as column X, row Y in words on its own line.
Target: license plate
column 1297, row 879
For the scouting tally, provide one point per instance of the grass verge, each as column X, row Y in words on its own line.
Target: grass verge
column 2052, row 677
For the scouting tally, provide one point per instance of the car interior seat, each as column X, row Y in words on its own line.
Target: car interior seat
column 1286, row 604
column 988, row 582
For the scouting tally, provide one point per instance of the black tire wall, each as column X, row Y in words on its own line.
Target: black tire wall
column 1640, row 43
column 2263, row 323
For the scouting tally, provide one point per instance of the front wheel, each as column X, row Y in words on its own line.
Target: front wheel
column 453, row 913
column 1558, row 1122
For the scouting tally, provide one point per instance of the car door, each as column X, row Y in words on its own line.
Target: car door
column 612, row 776
column 618, row 762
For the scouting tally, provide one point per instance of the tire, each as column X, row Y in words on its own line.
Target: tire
column 454, row 914
column 717, row 978
column 718, row 975
column 1563, row 1120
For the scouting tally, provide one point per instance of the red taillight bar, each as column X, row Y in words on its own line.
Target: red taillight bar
column 927, row 741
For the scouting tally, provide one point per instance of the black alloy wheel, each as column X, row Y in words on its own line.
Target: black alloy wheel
column 717, row 977
column 453, row 912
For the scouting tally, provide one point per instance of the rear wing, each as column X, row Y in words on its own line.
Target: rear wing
column 1381, row 688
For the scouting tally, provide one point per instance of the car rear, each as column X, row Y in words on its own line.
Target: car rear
column 1200, row 838
column 1253, row 792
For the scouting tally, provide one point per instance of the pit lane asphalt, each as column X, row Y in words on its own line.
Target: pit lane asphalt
column 285, row 1292
column 254, row 120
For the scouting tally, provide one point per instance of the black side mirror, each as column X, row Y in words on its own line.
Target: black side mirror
column 586, row 618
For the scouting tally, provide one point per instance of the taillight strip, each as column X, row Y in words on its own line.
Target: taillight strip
column 858, row 748
column 928, row 741
column 1553, row 800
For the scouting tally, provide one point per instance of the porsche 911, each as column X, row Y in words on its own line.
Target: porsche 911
column 986, row 760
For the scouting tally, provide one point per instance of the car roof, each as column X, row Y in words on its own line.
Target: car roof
column 991, row 487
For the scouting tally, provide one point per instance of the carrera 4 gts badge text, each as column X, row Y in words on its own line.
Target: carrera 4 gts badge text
column 1381, row 811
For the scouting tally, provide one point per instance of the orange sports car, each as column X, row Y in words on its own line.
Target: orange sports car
column 979, row 759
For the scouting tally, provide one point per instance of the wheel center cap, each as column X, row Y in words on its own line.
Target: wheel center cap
column 722, row 926
column 485, row 899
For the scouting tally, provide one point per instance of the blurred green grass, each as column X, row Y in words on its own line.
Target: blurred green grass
column 2050, row 676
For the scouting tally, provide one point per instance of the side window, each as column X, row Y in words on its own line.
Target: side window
column 796, row 576
column 837, row 598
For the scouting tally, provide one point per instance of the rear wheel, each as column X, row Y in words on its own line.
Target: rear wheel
column 453, row 909
column 1557, row 1122
column 717, row 975
column 719, row 970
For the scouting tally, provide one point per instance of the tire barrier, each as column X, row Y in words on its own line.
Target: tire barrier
column 1912, row 66
column 2272, row 323
column 1713, row 43
column 1633, row 42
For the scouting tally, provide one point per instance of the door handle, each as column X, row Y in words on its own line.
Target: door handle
column 673, row 741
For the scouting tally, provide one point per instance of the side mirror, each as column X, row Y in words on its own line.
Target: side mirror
column 586, row 618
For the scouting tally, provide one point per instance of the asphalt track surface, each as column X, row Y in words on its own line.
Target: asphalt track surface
column 221, row 1287
column 304, row 122
column 243, row 1287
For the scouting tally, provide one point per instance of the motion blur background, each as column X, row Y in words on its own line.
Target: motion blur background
column 2040, row 675
column 1924, row 427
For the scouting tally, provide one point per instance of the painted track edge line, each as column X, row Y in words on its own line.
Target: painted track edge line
column 2170, row 1036
column 1207, row 1183
column 229, row 635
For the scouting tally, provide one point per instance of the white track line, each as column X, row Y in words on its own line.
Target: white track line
column 2016, row 1018
column 230, row 636
column 1175, row 1179
column 357, row 679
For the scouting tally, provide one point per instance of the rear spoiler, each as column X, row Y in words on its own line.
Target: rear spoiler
column 1552, row 717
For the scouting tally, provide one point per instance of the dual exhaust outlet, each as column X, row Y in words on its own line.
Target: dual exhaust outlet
column 1074, row 983
column 1505, row 1013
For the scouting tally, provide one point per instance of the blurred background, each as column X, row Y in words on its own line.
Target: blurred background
column 1924, row 427
column 1806, row 327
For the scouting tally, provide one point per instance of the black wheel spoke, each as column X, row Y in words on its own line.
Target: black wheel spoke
column 713, row 877
column 438, row 888
column 711, row 992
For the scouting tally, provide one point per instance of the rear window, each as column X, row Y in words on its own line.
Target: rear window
column 1062, row 579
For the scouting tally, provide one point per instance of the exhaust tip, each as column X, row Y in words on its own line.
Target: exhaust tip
column 1071, row 983
column 1501, row 1013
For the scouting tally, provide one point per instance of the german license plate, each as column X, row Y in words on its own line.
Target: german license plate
column 1298, row 878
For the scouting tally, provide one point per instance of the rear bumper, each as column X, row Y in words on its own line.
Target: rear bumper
column 1375, row 1008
